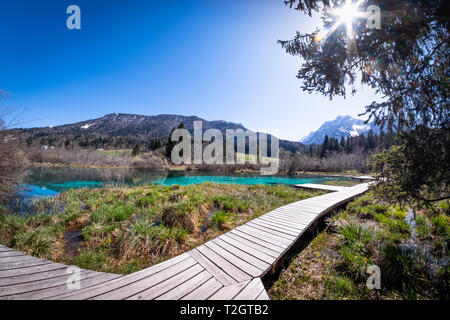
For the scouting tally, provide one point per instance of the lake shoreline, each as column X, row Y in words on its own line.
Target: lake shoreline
column 175, row 168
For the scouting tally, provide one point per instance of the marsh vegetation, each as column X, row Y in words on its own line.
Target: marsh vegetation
column 125, row 229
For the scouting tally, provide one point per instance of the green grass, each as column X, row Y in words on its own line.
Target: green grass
column 231, row 204
column 220, row 219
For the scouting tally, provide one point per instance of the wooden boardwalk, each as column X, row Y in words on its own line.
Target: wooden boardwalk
column 227, row 267
column 314, row 186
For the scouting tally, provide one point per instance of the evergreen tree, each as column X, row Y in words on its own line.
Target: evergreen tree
column 342, row 143
column 136, row 151
column 407, row 62
column 325, row 147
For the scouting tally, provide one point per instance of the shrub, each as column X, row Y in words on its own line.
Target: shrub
column 180, row 215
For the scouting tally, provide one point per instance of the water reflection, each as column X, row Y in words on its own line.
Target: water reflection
column 47, row 180
column 64, row 178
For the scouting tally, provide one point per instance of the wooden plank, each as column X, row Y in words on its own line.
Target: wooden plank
column 325, row 187
column 186, row 287
column 41, row 284
column 251, row 291
column 255, row 245
column 136, row 288
column 311, row 202
column 302, row 221
column 55, row 292
column 223, row 264
column 307, row 211
column 248, row 249
column 168, row 284
column 297, row 216
column 284, row 222
column 30, row 270
column 297, row 207
column 261, row 265
column 306, row 203
column 290, row 228
column 125, row 280
column 276, row 227
column 4, row 254
column 24, row 258
column 272, row 231
column 323, row 204
column 314, row 203
column 229, row 292
column 25, row 263
column 258, row 240
column 271, row 237
column 295, row 226
column 295, row 213
column 331, row 196
column 204, row 291
column 33, row 277
column 223, row 277
column 329, row 201
column 17, row 258
column 279, row 241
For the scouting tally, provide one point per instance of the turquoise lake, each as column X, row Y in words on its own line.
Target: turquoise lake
column 50, row 181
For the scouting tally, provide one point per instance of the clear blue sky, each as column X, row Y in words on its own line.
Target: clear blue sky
column 218, row 60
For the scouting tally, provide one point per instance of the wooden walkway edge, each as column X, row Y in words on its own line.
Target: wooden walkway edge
column 314, row 186
column 226, row 268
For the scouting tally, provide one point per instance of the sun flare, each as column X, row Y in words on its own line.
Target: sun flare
column 346, row 15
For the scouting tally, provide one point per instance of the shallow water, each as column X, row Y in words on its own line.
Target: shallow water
column 50, row 181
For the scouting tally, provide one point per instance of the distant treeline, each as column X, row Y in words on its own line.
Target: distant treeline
column 369, row 143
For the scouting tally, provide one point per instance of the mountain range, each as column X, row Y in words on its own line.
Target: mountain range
column 120, row 130
column 342, row 126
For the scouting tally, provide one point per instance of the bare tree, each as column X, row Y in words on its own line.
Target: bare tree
column 12, row 159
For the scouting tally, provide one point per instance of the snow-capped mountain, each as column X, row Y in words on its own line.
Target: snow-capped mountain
column 342, row 126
